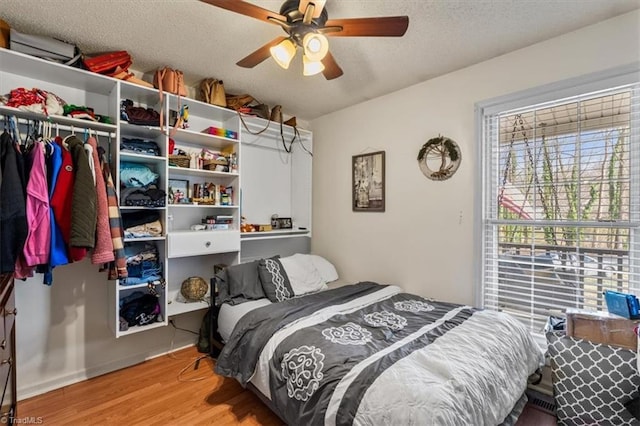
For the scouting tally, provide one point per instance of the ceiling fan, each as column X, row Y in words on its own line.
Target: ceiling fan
column 307, row 25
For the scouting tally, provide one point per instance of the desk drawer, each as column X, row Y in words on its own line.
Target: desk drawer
column 182, row 244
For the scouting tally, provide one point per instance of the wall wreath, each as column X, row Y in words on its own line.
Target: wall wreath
column 439, row 158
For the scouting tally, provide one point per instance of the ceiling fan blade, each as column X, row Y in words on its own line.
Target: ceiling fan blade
column 331, row 68
column 248, row 9
column 388, row 26
column 259, row 55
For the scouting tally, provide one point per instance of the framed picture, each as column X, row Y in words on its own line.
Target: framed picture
column 367, row 171
column 178, row 191
column 284, row 223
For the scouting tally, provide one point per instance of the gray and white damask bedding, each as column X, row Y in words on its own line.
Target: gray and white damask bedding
column 369, row 354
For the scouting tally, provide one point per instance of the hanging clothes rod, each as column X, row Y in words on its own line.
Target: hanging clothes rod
column 64, row 127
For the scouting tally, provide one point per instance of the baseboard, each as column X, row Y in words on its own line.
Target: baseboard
column 95, row 371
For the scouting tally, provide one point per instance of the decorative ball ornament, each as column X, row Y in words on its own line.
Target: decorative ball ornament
column 193, row 289
column 439, row 158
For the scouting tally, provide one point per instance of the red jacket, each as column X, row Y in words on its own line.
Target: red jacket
column 61, row 199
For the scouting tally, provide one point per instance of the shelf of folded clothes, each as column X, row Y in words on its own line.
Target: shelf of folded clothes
column 143, row 223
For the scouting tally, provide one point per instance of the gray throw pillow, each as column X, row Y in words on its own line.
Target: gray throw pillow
column 243, row 283
column 592, row 382
column 274, row 279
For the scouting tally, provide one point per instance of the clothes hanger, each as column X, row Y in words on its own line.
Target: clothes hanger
column 49, row 150
column 13, row 131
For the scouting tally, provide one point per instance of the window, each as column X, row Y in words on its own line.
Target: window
column 561, row 202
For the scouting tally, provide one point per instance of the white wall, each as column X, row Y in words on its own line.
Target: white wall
column 425, row 239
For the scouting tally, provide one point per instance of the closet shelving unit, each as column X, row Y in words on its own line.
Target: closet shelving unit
column 141, row 96
column 267, row 181
column 194, row 253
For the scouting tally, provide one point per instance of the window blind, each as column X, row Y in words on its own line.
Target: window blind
column 561, row 204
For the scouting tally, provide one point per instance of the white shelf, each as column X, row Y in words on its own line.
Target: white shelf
column 141, row 208
column 199, row 206
column 135, row 240
column 185, row 171
column 138, row 328
column 59, row 119
column 141, row 158
column 202, row 139
column 278, row 233
column 203, row 232
column 51, row 72
column 139, row 94
column 255, row 124
column 129, row 287
column 205, row 110
column 128, row 129
column 175, row 307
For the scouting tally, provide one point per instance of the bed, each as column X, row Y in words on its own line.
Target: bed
column 371, row 354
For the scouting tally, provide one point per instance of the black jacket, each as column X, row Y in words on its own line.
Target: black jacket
column 13, row 216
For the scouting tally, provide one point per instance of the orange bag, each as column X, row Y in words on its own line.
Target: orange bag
column 108, row 63
column 170, row 80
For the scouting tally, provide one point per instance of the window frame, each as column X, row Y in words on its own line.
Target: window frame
column 554, row 92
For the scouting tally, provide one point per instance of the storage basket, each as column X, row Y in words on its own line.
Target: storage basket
column 179, row 160
column 211, row 164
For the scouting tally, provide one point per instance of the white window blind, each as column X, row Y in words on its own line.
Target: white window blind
column 561, row 208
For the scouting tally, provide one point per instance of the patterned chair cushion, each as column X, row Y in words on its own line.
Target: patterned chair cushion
column 592, row 382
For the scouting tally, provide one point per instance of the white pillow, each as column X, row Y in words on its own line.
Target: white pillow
column 302, row 274
column 327, row 270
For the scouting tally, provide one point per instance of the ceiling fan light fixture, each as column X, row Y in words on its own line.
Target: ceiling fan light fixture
column 283, row 53
column 311, row 67
column 315, row 46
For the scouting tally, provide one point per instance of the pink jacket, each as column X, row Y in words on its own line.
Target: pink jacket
column 37, row 246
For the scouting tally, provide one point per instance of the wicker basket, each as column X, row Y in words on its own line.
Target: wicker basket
column 211, row 164
column 179, row 160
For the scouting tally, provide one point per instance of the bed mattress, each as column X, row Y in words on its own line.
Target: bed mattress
column 230, row 315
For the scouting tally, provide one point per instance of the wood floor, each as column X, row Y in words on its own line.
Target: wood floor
column 158, row 392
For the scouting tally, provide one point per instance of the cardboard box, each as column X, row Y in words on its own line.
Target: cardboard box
column 602, row 327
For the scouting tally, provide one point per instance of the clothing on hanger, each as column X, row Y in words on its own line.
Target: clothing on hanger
column 37, row 245
column 103, row 250
column 118, row 268
column 61, row 199
column 83, row 204
column 13, row 218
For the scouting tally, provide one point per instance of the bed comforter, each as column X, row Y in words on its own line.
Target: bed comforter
column 371, row 354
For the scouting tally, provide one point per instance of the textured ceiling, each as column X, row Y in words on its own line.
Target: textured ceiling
column 205, row 41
